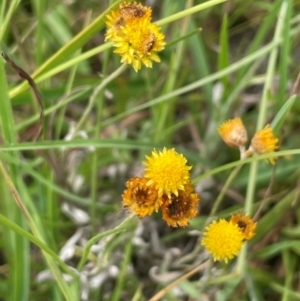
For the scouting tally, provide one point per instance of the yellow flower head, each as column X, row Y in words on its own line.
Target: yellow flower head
column 233, row 132
column 139, row 44
column 246, row 225
column 140, row 198
column 136, row 39
column 222, row 239
column 131, row 11
column 126, row 13
column 264, row 141
column 178, row 210
column 167, row 171
column 114, row 22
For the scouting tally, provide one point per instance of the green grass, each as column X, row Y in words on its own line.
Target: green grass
column 222, row 59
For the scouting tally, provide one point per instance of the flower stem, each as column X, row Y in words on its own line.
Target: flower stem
column 233, row 174
column 121, row 227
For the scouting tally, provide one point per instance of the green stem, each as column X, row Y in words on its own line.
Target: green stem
column 60, row 281
column 62, row 102
column 69, row 48
column 132, row 144
column 189, row 11
column 195, row 85
column 166, row 111
column 8, row 16
column 262, row 112
column 260, row 123
column 120, row 285
column 96, row 92
column 223, row 190
column 121, row 227
column 17, row 248
column 95, row 154
column 13, row 226
column 79, row 40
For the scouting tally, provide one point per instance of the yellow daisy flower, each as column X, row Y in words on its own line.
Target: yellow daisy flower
column 136, row 39
column 167, row 171
column 140, row 198
column 139, row 44
column 222, row 239
column 126, row 13
column 264, row 141
column 233, row 132
column 246, row 224
column 178, row 210
column 114, row 23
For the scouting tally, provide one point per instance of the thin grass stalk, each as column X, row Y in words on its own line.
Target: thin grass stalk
column 121, row 281
column 39, row 77
column 266, row 25
column 95, row 155
column 24, row 167
column 22, row 246
column 285, row 60
column 7, row 20
column 57, row 274
column 39, row 7
column 166, row 110
column 189, row 11
column 2, row 12
column 123, row 226
column 95, row 94
column 130, row 145
column 263, row 105
column 63, row 108
column 230, row 69
column 82, row 37
column 220, row 197
column 262, row 112
column 17, row 229
column 63, row 101
column 18, row 259
column 260, row 123
column 69, row 86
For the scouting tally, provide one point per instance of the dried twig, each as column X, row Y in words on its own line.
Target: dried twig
column 165, row 290
column 24, row 75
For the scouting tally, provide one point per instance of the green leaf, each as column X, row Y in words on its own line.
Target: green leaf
column 223, row 59
column 280, row 116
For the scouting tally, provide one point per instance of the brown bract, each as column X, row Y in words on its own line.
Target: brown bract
column 178, row 210
column 139, row 197
column 130, row 11
column 245, row 224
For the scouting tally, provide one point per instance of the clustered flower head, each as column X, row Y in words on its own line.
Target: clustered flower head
column 136, row 38
column 167, row 170
column 224, row 239
column 140, row 197
column 264, row 141
column 234, row 134
column 166, row 185
column 245, row 224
